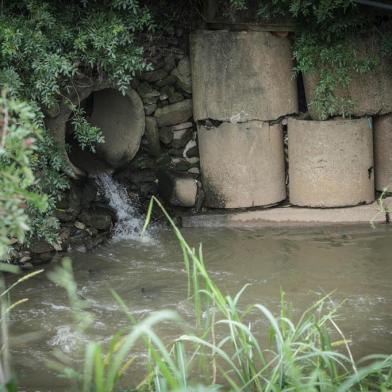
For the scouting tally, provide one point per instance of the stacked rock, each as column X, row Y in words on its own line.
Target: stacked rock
column 86, row 221
column 168, row 160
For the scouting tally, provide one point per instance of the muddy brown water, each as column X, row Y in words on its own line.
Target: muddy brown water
column 354, row 262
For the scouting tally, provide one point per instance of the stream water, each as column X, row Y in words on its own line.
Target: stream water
column 353, row 262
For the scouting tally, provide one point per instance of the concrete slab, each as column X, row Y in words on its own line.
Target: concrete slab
column 289, row 216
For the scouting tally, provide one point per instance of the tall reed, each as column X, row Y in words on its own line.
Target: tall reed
column 7, row 377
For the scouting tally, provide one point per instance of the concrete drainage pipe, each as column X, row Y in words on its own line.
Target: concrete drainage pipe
column 121, row 119
column 331, row 163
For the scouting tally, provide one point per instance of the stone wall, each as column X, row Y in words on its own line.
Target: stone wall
column 167, row 163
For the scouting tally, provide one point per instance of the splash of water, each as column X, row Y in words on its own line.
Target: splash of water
column 66, row 339
column 129, row 224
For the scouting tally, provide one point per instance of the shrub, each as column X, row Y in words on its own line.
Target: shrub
column 323, row 44
column 18, row 139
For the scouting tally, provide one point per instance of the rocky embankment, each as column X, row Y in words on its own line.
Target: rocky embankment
column 85, row 222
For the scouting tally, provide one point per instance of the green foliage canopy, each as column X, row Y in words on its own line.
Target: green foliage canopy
column 18, row 135
column 46, row 44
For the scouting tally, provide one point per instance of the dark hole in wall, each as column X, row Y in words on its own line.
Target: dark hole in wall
column 84, row 159
column 302, row 104
column 210, row 123
column 286, row 158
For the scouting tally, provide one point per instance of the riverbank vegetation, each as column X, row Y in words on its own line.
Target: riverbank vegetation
column 19, row 133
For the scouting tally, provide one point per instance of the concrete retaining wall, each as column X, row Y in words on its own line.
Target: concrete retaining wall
column 331, row 162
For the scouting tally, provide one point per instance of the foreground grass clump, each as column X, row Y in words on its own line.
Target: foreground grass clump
column 7, row 379
column 224, row 351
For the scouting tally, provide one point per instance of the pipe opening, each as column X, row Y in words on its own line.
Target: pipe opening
column 121, row 119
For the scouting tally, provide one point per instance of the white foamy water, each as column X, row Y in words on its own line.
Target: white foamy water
column 66, row 339
column 129, row 223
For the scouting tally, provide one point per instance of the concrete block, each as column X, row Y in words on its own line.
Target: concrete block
column 179, row 189
column 383, row 152
column 330, row 162
column 241, row 74
column 242, row 165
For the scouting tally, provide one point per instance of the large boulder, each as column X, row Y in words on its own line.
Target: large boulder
column 152, row 136
column 122, row 120
column 98, row 218
column 179, row 189
column 174, row 114
column 244, row 75
column 331, row 162
column 370, row 92
column 383, row 152
column 242, row 165
column 182, row 73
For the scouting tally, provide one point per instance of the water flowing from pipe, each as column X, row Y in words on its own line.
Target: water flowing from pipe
column 129, row 223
